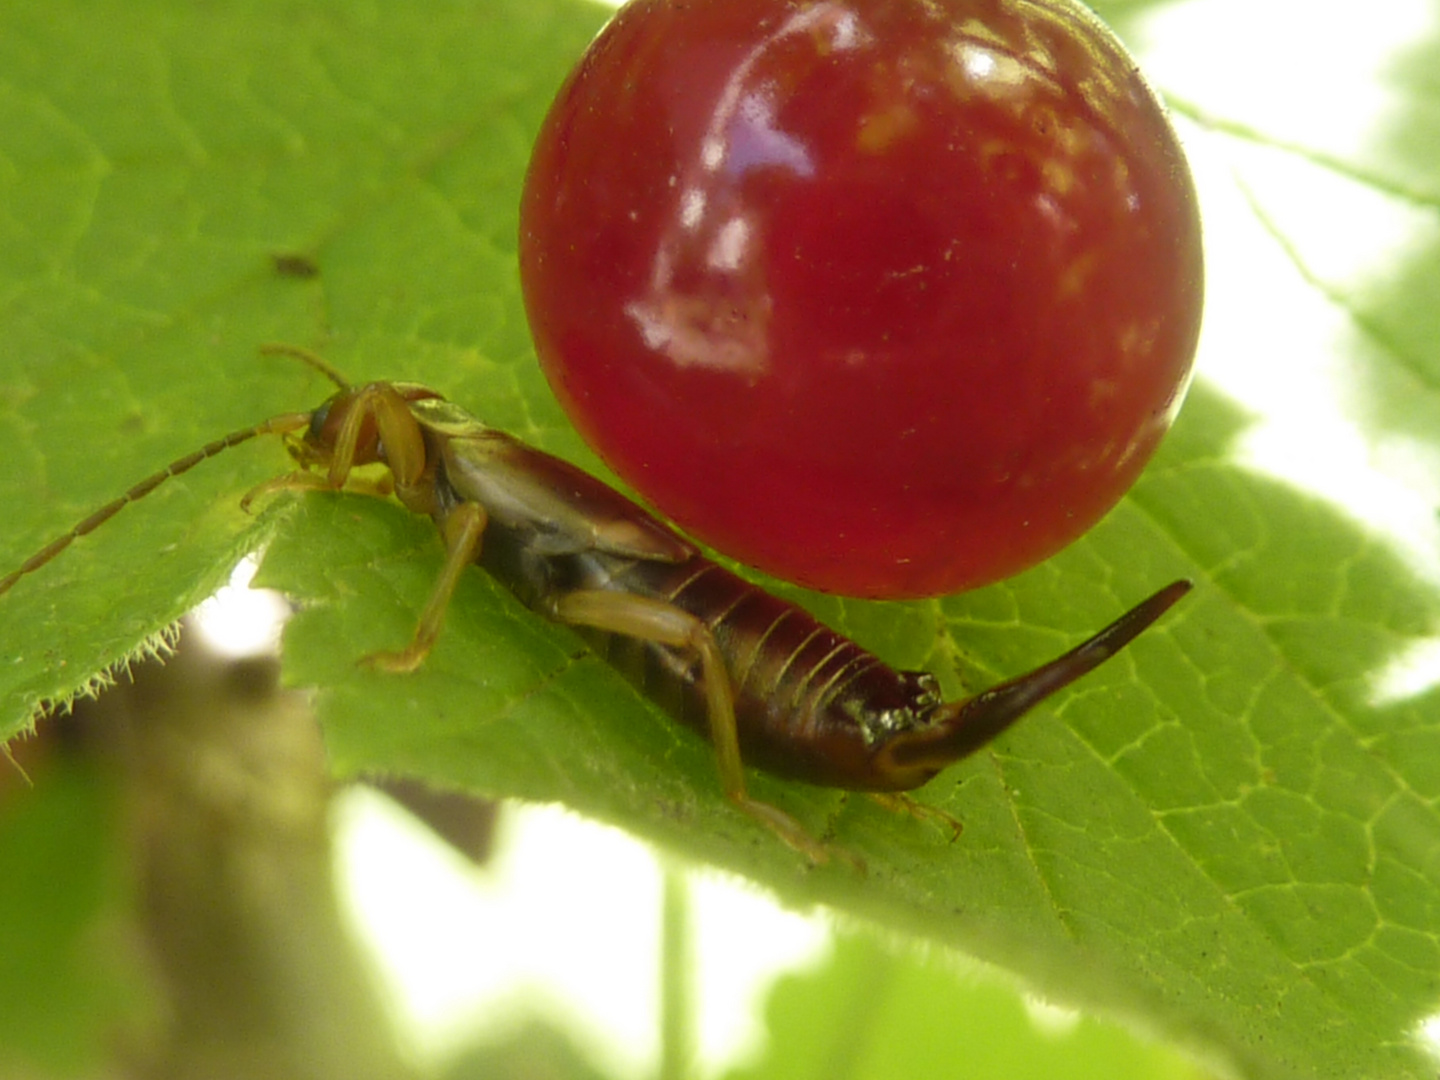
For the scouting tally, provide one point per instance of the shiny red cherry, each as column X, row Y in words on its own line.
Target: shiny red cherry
column 886, row 297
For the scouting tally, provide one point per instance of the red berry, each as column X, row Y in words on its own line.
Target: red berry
column 886, row 297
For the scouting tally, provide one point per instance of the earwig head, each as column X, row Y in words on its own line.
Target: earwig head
column 352, row 407
column 322, row 430
column 958, row 729
column 326, row 424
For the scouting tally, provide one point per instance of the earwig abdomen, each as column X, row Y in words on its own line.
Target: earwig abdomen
column 810, row 704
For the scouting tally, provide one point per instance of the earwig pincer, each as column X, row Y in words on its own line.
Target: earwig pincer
column 767, row 683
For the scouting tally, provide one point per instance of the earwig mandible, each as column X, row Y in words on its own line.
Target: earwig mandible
column 767, row 683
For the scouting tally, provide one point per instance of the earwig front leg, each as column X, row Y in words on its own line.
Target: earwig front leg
column 463, row 531
column 381, row 487
column 665, row 624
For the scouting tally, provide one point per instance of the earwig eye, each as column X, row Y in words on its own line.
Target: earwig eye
column 317, row 421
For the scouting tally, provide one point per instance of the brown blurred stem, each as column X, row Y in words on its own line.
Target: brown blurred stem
column 228, row 803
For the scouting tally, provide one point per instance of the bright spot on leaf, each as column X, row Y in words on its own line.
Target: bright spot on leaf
column 1429, row 1036
column 1055, row 1021
column 1410, row 674
column 239, row 621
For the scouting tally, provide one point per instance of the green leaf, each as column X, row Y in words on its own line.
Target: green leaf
column 1228, row 833
column 881, row 1013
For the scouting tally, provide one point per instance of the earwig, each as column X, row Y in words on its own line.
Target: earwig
column 767, row 683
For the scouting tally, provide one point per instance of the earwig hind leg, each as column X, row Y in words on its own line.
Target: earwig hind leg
column 463, row 531
column 899, row 803
column 654, row 620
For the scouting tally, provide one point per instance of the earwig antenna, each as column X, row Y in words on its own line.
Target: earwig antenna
column 963, row 727
column 305, row 356
column 276, row 425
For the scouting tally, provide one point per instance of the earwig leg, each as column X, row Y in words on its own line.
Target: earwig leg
column 381, row 487
column 665, row 624
column 463, row 531
column 296, row 481
column 654, row 620
column 900, row 803
column 404, row 445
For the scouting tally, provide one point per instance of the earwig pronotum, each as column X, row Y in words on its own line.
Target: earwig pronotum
column 768, row 684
